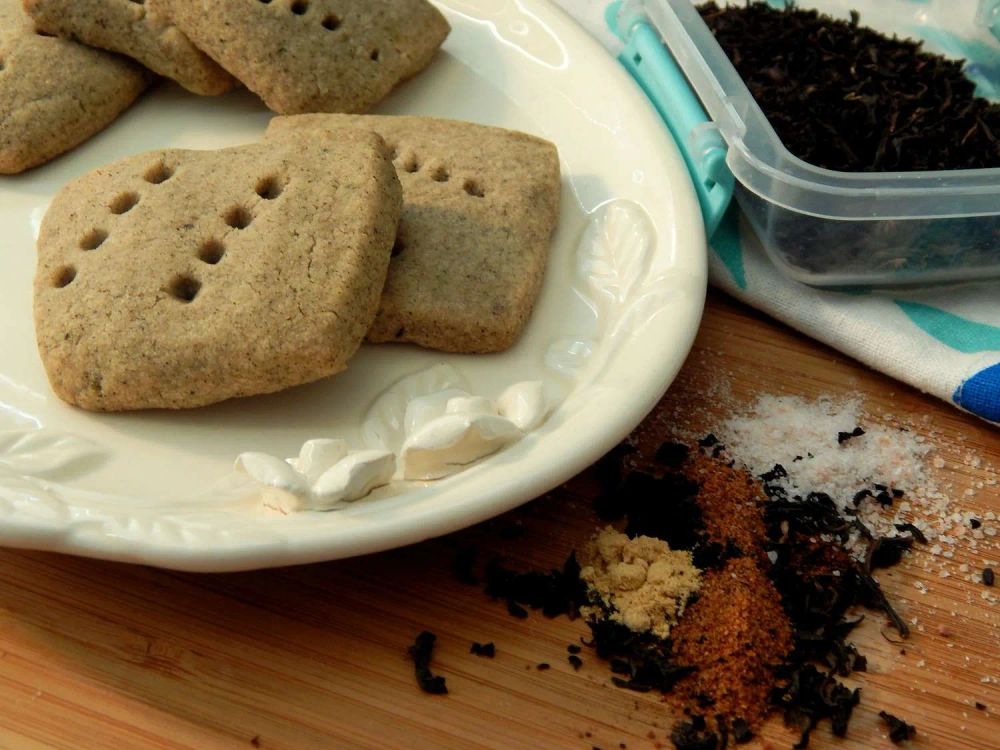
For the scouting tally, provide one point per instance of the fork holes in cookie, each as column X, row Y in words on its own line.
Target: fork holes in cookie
column 269, row 188
column 238, row 217
column 375, row 55
column 331, row 22
column 63, row 277
column 123, row 203
column 474, row 189
column 211, row 251
column 412, row 164
column 440, row 174
column 93, row 239
column 184, row 288
column 158, row 173
column 299, row 7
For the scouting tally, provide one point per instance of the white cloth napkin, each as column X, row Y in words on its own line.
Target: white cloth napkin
column 944, row 340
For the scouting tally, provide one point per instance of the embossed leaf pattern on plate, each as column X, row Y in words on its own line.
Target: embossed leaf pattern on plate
column 383, row 425
column 41, row 452
column 613, row 263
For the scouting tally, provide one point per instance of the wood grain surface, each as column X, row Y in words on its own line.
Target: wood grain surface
column 102, row 655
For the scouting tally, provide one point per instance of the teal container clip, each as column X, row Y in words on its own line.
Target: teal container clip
column 650, row 63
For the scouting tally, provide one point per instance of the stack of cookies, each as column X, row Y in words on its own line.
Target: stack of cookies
column 177, row 279
column 68, row 68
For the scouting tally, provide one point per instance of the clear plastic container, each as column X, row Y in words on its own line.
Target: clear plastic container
column 829, row 228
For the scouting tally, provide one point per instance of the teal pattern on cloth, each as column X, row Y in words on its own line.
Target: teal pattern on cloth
column 727, row 245
column 942, row 340
column 959, row 333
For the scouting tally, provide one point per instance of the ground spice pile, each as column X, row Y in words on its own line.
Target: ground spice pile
column 845, row 97
column 737, row 632
column 640, row 583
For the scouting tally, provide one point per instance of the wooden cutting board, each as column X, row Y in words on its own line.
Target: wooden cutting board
column 102, row 655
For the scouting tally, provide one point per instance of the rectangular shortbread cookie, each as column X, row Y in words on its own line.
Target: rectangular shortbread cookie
column 175, row 279
column 54, row 93
column 315, row 55
column 141, row 30
column 480, row 206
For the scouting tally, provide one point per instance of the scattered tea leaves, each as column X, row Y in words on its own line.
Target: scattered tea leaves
column 420, row 652
column 843, row 437
column 489, row 650
column 899, row 730
column 694, row 735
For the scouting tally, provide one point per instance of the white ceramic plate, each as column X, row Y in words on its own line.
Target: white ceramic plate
column 618, row 312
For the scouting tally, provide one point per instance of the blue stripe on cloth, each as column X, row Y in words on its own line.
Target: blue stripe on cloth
column 980, row 394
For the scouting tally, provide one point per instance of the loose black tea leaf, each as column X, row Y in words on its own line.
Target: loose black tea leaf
column 899, row 730
column 692, row 735
column 989, row 578
column 672, row 455
column 420, row 652
column 516, row 610
column 488, row 650
column 917, row 533
column 741, row 732
column 845, row 97
column 843, row 437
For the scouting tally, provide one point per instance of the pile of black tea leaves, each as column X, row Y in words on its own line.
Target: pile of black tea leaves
column 842, row 96
column 848, row 98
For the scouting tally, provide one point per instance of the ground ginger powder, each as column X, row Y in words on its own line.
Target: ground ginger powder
column 639, row 582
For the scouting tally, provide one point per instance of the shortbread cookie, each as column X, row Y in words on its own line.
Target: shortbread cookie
column 180, row 278
column 140, row 30
column 480, row 205
column 54, row 93
column 315, row 55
